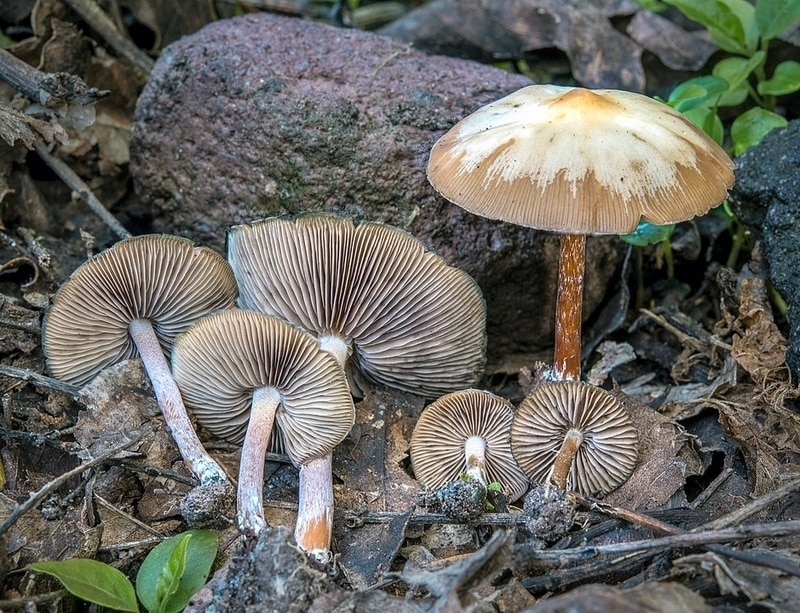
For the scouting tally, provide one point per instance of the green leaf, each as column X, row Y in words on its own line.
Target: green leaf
column 699, row 91
column 785, row 80
column 773, row 17
column 175, row 569
column 708, row 121
column 736, row 70
column 92, row 581
column 647, row 233
column 731, row 23
column 750, row 127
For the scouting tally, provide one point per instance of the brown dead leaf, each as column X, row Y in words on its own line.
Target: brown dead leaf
column 168, row 21
column 600, row 56
column 677, row 48
column 666, row 458
column 369, row 464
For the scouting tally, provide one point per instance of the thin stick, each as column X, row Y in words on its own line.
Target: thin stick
column 102, row 24
column 23, row 374
column 745, row 512
column 35, row 498
column 76, row 184
column 690, row 539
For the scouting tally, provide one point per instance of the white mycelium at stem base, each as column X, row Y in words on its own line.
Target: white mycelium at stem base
column 475, row 454
column 172, row 408
column 250, row 493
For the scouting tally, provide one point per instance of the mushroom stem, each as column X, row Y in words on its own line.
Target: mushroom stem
column 569, row 302
column 566, row 455
column 171, row 404
column 315, row 508
column 250, row 492
column 475, row 454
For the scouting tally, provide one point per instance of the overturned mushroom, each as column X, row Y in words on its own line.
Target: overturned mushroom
column 576, row 436
column 241, row 372
column 388, row 309
column 134, row 299
column 578, row 162
column 467, row 432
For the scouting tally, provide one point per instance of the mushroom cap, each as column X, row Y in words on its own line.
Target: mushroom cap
column 437, row 444
column 580, row 161
column 610, row 445
column 162, row 278
column 413, row 322
column 221, row 360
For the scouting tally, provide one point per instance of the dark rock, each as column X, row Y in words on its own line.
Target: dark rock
column 264, row 115
column 766, row 198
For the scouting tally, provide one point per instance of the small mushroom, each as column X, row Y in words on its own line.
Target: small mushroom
column 134, row 299
column 467, row 432
column 242, row 372
column 576, row 436
column 387, row 308
column 578, row 162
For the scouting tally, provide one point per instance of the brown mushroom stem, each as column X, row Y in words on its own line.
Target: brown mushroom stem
column 171, row 404
column 569, row 301
column 566, row 455
column 250, row 491
column 475, row 454
column 315, row 508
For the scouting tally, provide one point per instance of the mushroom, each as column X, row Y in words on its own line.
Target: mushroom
column 135, row 298
column 578, row 162
column 576, row 436
column 241, row 372
column 467, row 432
column 378, row 301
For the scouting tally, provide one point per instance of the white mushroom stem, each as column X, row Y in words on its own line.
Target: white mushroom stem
column 569, row 305
column 315, row 491
column 565, row 457
column 171, row 404
column 315, row 508
column 250, row 491
column 475, row 454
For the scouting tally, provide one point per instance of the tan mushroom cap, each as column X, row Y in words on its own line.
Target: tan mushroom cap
column 610, row 445
column 580, row 161
column 221, row 360
column 414, row 322
column 437, row 444
column 162, row 278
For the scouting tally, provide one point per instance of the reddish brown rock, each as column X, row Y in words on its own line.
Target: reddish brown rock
column 263, row 115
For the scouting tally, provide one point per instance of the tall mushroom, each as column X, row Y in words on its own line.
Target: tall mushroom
column 241, row 372
column 576, row 436
column 134, row 299
column 467, row 432
column 382, row 304
column 578, row 162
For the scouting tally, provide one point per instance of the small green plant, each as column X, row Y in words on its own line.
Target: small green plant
column 169, row 575
column 744, row 30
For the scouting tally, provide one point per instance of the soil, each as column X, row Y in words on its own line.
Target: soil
column 708, row 521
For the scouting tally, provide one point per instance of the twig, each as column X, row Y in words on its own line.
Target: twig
column 53, row 90
column 139, row 524
column 23, row 374
column 76, row 184
column 686, row 339
column 689, row 539
column 102, row 24
column 742, row 514
column 38, row 496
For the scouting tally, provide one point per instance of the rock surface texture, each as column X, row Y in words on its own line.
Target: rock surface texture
column 766, row 197
column 264, row 115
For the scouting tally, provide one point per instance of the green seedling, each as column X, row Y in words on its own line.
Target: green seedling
column 170, row 574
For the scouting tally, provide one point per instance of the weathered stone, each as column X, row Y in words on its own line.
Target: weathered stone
column 766, row 197
column 263, row 115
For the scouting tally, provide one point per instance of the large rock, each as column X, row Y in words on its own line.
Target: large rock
column 263, row 115
column 767, row 198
